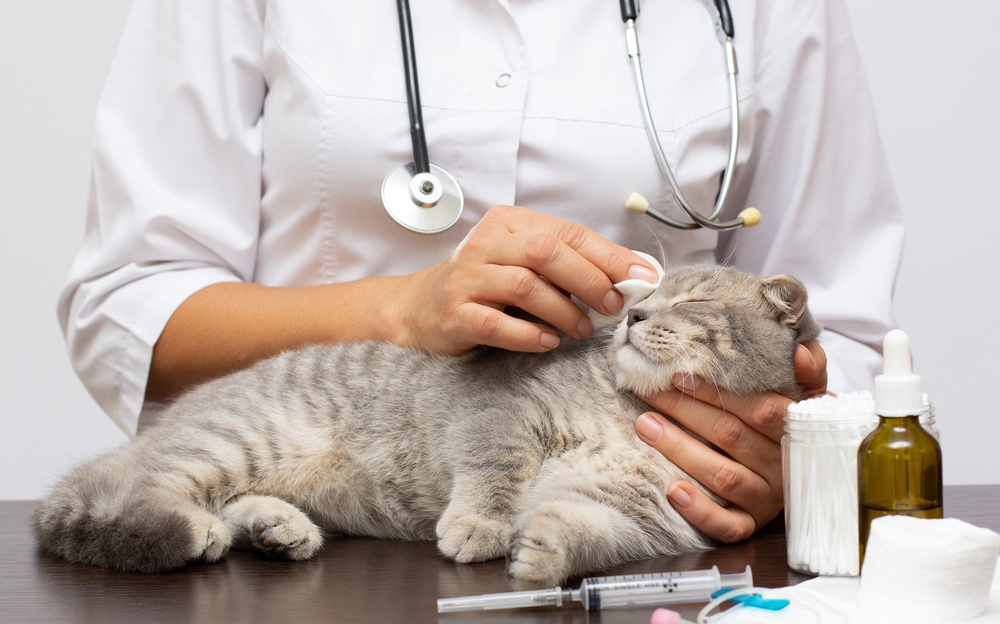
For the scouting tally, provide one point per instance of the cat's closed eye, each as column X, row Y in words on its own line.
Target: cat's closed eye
column 684, row 301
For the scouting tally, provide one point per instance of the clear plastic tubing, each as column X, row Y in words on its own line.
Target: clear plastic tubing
column 612, row 592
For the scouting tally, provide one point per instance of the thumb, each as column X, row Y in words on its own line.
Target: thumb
column 810, row 368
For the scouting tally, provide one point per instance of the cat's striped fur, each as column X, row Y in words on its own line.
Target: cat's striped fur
column 529, row 456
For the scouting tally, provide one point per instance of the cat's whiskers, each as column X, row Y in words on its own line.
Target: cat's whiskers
column 712, row 360
column 663, row 253
column 736, row 244
column 708, row 359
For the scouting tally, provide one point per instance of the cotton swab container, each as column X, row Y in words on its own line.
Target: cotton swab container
column 820, row 457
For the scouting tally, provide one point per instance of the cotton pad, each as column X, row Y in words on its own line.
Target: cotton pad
column 920, row 569
column 632, row 290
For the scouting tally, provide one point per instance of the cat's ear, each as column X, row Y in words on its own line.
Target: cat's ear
column 788, row 296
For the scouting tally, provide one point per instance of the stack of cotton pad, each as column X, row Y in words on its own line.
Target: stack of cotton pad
column 920, row 570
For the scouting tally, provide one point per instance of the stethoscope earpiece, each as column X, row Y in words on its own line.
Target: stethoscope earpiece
column 638, row 204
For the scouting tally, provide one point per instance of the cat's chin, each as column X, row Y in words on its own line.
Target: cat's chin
column 634, row 372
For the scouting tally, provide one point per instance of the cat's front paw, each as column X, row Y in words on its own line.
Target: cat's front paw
column 471, row 537
column 537, row 555
column 211, row 539
column 272, row 526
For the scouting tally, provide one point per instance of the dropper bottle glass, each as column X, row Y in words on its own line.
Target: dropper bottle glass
column 899, row 463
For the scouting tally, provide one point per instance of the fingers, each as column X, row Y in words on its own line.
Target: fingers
column 756, row 496
column 483, row 325
column 514, row 257
column 746, row 428
column 810, row 368
column 547, row 256
column 763, row 412
column 523, row 288
column 572, row 257
column 723, row 429
column 719, row 523
column 728, row 477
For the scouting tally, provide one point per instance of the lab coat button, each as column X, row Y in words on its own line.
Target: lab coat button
column 503, row 80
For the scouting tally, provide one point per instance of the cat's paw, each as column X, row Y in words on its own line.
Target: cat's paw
column 286, row 537
column 468, row 538
column 537, row 555
column 211, row 539
column 273, row 527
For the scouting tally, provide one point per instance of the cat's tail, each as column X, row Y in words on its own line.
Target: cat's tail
column 105, row 516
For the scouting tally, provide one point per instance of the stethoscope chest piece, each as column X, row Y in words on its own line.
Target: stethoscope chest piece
column 426, row 203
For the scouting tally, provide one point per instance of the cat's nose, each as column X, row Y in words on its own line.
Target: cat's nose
column 634, row 316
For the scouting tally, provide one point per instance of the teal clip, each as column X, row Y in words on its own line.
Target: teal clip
column 755, row 600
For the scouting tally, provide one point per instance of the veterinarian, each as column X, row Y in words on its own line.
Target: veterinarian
column 241, row 146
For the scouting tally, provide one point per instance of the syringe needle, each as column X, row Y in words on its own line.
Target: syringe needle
column 508, row 600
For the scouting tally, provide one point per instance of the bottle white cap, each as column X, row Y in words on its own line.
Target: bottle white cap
column 897, row 389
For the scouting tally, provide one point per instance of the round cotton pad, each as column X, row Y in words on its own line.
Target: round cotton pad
column 927, row 569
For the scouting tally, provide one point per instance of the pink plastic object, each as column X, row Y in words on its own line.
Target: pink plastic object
column 665, row 616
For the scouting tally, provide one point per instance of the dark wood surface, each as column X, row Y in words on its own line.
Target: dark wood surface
column 352, row 580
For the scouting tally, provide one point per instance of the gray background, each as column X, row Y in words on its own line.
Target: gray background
column 936, row 91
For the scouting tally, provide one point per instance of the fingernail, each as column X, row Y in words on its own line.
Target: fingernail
column 549, row 340
column 584, row 328
column 812, row 360
column 649, row 428
column 686, row 382
column 679, row 496
column 639, row 272
column 613, row 302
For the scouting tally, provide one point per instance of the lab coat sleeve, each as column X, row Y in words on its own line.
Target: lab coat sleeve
column 820, row 178
column 175, row 192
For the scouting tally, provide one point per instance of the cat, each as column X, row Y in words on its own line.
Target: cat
column 533, row 457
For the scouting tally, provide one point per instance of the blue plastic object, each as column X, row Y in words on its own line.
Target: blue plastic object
column 755, row 600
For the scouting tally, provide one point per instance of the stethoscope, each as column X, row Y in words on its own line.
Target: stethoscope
column 424, row 198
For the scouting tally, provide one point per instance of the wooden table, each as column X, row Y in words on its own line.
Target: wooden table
column 352, row 580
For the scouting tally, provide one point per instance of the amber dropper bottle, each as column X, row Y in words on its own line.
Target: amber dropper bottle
column 899, row 463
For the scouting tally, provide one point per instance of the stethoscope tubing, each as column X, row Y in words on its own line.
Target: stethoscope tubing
column 418, row 185
column 421, row 162
column 698, row 219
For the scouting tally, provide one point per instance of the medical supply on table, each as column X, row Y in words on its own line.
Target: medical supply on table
column 834, row 600
column 425, row 198
column 665, row 616
column 917, row 569
column 899, row 463
column 744, row 597
column 819, row 454
column 612, row 592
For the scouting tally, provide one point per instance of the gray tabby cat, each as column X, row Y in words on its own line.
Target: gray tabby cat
column 529, row 456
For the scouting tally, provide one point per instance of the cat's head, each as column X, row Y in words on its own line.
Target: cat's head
column 727, row 326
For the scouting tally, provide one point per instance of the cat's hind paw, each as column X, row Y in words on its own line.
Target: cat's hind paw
column 273, row 527
column 471, row 537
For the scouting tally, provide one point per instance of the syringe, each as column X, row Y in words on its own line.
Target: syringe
column 612, row 592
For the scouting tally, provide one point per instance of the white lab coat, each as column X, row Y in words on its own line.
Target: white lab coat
column 248, row 139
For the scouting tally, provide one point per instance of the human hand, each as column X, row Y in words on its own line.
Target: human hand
column 748, row 429
column 520, row 258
